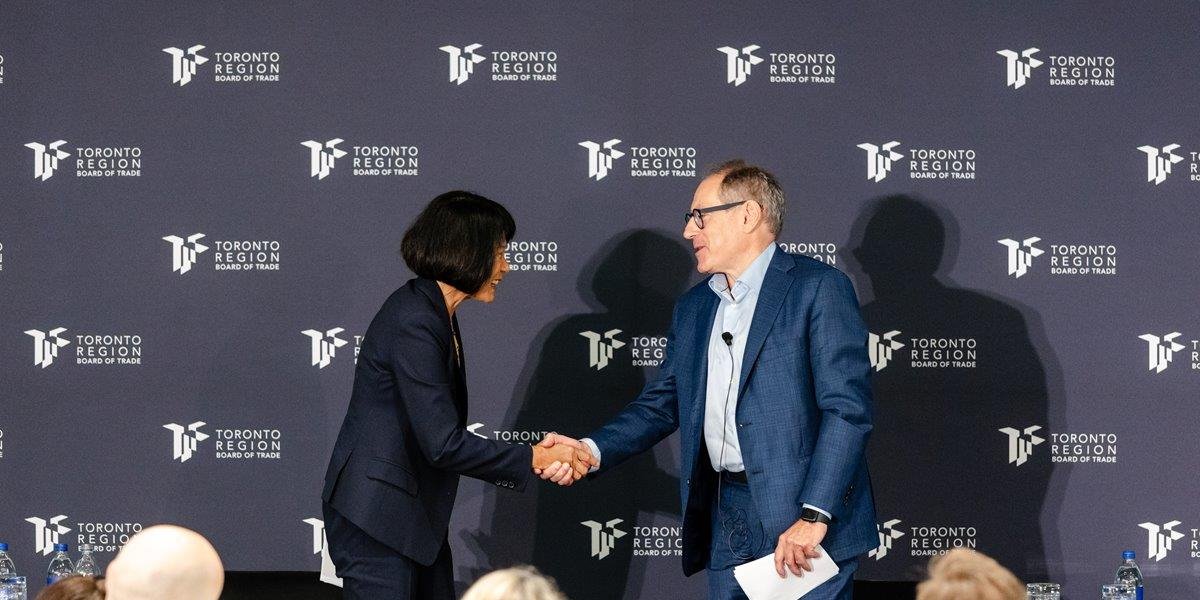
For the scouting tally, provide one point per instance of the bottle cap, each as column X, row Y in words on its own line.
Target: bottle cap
column 1128, row 555
column 3, row 547
column 60, row 547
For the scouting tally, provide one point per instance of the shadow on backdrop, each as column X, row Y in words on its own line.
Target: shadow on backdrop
column 630, row 285
column 937, row 455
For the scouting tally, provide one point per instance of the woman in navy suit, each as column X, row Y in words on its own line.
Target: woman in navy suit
column 395, row 467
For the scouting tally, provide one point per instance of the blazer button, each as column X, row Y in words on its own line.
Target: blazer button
column 687, row 482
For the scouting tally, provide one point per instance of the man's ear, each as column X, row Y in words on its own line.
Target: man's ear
column 752, row 216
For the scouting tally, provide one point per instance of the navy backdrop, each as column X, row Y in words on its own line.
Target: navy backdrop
column 203, row 202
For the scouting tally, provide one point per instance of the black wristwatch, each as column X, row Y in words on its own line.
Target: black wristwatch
column 813, row 516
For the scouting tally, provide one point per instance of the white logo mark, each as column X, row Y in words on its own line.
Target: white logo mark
column 321, row 156
column 320, row 545
column 46, row 534
column 738, row 63
column 183, row 252
column 599, row 352
column 604, row 541
column 1021, row 255
column 600, row 158
column 184, row 445
column 887, row 534
column 462, row 61
column 45, row 158
column 879, row 159
column 1020, row 447
column 1160, row 538
column 881, row 349
column 46, row 345
column 1158, row 165
column 1162, row 350
column 324, row 345
column 183, row 64
column 1019, row 66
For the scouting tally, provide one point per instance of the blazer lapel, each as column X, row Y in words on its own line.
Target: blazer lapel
column 458, row 366
column 457, row 363
column 775, row 287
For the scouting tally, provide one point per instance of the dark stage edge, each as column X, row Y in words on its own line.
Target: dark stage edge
column 299, row 585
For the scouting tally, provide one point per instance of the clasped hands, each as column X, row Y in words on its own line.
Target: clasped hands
column 562, row 460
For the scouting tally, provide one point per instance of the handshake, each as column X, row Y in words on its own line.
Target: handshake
column 561, row 459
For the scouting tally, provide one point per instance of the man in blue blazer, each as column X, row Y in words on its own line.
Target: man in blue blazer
column 765, row 376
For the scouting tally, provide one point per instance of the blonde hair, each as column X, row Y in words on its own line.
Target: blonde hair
column 964, row 574
column 517, row 583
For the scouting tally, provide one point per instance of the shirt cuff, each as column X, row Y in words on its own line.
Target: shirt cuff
column 594, row 450
column 807, row 505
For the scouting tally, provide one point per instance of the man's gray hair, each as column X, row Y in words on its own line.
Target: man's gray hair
column 744, row 181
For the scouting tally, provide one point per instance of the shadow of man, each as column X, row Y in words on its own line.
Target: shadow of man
column 572, row 385
column 953, row 368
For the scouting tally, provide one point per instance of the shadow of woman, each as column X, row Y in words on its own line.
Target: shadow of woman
column 631, row 284
column 938, row 455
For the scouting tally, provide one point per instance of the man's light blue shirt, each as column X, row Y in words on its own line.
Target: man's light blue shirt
column 734, row 315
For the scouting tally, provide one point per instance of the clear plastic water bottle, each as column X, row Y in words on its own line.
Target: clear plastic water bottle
column 60, row 565
column 1129, row 573
column 6, row 564
column 1117, row 591
column 86, row 565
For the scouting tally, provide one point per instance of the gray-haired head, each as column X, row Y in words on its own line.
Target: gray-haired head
column 743, row 181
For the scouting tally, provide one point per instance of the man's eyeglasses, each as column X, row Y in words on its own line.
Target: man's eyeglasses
column 698, row 213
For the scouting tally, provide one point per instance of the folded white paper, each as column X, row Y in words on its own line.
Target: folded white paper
column 760, row 581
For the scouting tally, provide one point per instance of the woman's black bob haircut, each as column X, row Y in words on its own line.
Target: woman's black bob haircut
column 455, row 240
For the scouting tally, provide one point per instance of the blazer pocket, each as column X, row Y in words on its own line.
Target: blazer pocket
column 775, row 361
column 392, row 474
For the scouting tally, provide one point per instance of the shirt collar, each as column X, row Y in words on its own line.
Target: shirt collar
column 751, row 278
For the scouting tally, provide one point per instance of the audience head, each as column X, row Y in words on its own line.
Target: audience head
column 963, row 574
column 166, row 562
column 517, row 583
column 74, row 588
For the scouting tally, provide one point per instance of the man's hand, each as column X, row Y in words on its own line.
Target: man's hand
column 797, row 545
column 561, row 459
column 565, row 472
